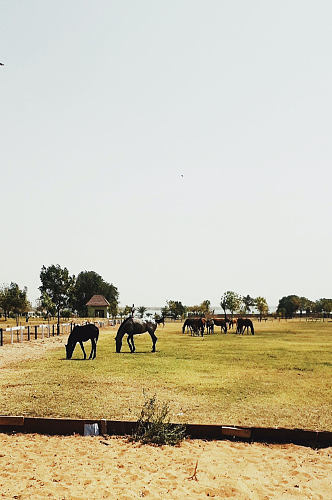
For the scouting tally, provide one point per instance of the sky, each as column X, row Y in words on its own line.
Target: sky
column 178, row 148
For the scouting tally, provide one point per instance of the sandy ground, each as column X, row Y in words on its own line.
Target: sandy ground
column 77, row 467
column 12, row 353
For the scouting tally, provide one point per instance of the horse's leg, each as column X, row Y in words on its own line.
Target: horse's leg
column 82, row 347
column 129, row 338
column 154, row 340
column 93, row 349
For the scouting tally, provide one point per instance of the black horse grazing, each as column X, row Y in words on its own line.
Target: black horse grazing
column 195, row 325
column 220, row 322
column 209, row 326
column 133, row 326
column 81, row 334
column 243, row 325
column 160, row 320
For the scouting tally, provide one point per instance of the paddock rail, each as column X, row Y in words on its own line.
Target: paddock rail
column 34, row 332
column 66, row 426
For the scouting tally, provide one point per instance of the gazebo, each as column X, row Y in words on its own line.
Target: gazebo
column 97, row 307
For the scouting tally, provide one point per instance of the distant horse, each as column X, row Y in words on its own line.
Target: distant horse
column 187, row 325
column 243, row 325
column 209, row 326
column 231, row 323
column 160, row 321
column 220, row 322
column 134, row 326
column 195, row 325
column 81, row 334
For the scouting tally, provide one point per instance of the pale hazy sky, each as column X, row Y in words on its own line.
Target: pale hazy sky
column 104, row 104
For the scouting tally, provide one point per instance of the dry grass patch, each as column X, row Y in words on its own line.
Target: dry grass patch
column 282, row 376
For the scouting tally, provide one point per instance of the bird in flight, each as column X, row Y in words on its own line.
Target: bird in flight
column 1, row 64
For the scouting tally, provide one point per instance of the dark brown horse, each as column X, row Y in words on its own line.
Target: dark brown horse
column 133, row 326
column 243, row 325
column 220, row 322
column 209, row 326
column 81, row 334
column 195, row 325
column 160, row 320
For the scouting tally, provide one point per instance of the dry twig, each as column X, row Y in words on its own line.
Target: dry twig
column 194, row 476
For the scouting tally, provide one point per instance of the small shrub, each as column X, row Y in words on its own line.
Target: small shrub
column 154, row 427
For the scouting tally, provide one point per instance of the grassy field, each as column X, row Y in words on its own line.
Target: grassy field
column 282, row 376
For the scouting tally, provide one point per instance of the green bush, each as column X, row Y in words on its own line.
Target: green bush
column 154, row 427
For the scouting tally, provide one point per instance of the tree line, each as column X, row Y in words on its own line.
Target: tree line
column 231, row 302
column 234, row 303
column 291, row 304
column 62, row 294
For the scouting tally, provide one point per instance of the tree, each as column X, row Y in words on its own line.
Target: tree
column 230, row 301
column 141, row 310
column 194, row 310
column 127, row 310
column 202, row 309
column 176, row 309
column 13, row 300
column 47, row 305
column 261, row 306
column 248, row 302
column 205, row 308
column 165, row 312
column 57, row 285
column 303, row 304
column 309, row 307
column 89, row 283
column 323, row 306
column 288, row 305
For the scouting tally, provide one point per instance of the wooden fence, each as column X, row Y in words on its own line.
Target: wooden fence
column 16, row 334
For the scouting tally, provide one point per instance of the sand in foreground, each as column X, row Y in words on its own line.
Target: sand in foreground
column 77, row 467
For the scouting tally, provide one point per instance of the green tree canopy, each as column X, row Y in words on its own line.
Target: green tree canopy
column 165, row 312
column 176, row 309
column 127, row 310
column 304, row 304
column 323, row 306
column 205, row 307
column 261, row 306
column 57, row 286
column 289, row 305
column 248, row 302
column 89, row 283
column 230, row 301
column 13, row 300
column 141, row 310
column 47, row 305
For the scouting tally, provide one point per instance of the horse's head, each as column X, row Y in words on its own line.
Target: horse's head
column 118, row 343
column 69, row 350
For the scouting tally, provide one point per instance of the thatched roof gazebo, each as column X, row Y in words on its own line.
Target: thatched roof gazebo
column 97, row 307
